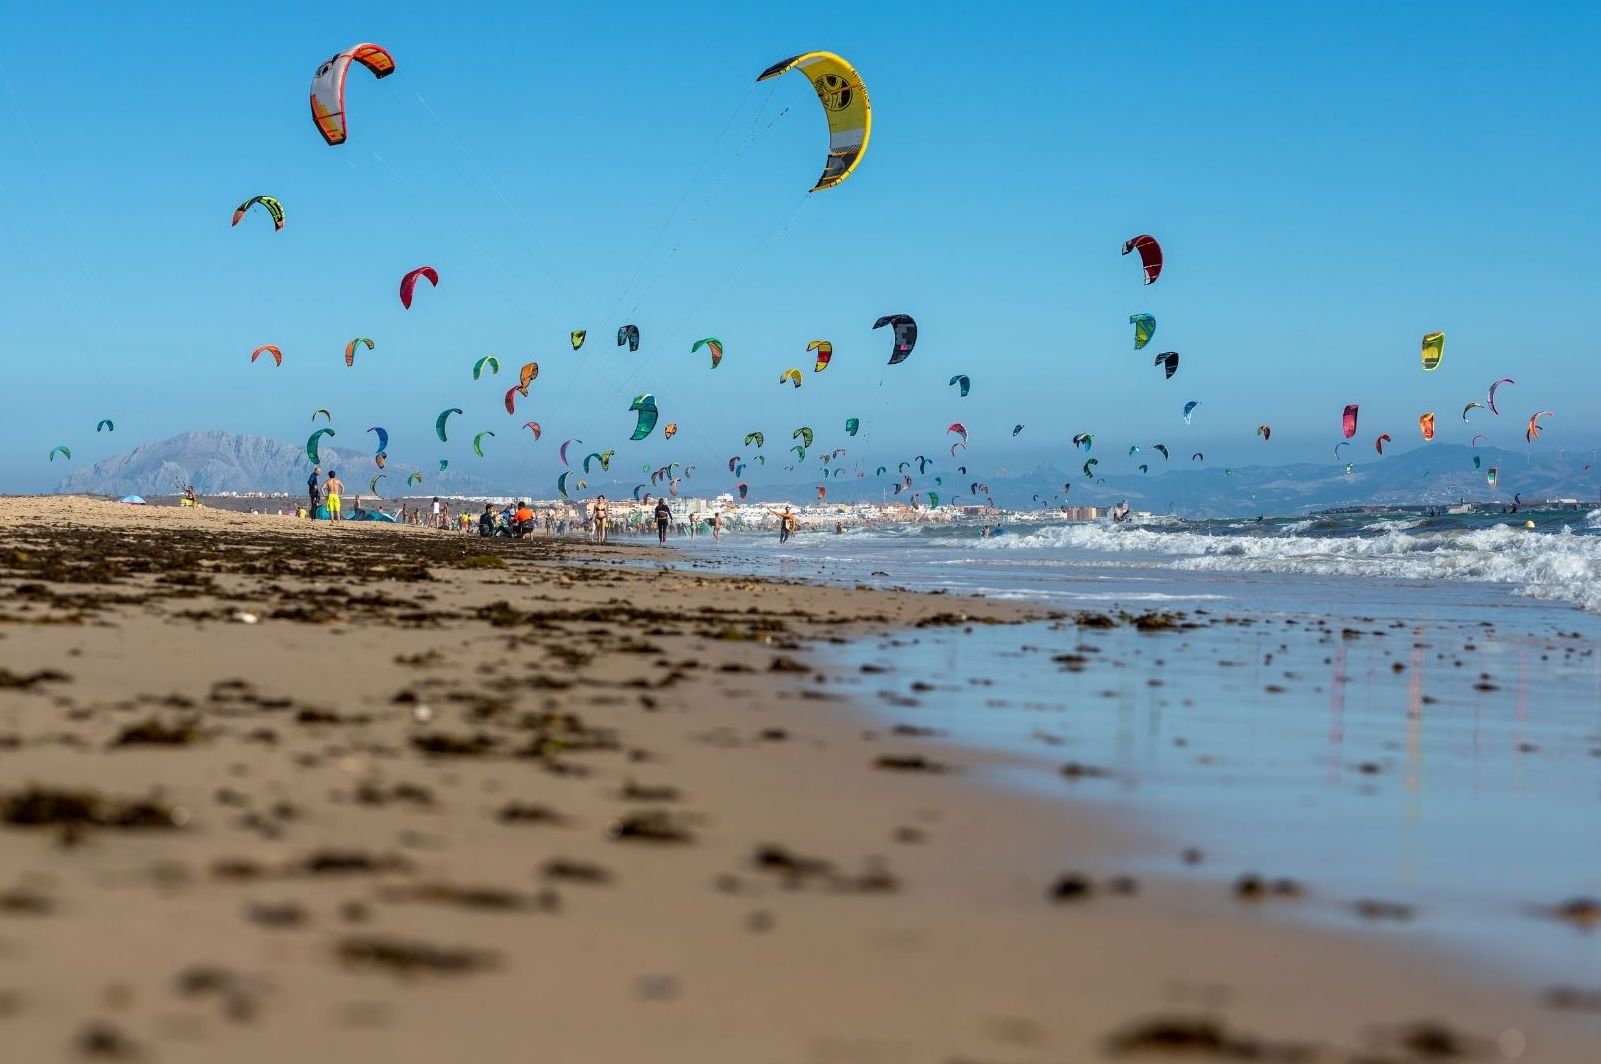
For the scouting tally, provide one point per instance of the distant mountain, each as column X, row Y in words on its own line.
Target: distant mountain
column 1438, row 474
column 216, row 462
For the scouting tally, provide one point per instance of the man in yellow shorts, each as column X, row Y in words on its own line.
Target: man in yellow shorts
column 333, row 490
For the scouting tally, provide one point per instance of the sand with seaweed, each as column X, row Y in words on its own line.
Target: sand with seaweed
column 273, row 789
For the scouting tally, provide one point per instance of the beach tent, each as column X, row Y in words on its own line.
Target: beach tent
column 132, row 500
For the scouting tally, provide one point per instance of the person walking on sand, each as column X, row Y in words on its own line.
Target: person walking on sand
column 314, row 489
column 717, row 526
column 437, row 522
column 335, row 488
column 598, row 514
column 664, row 517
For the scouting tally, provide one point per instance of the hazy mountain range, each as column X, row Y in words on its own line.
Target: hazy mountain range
column 216, row 462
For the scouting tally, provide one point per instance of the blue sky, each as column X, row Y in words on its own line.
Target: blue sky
column 1329, row 185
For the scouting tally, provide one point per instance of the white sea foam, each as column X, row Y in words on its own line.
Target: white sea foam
column 1559, row 566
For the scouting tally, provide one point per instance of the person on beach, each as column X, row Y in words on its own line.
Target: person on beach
column 597, row 516
column 522, row 520
column 334, row 488
column 717, row 526
column 314, row 489
column 787, row 524
column 664, row 517
column 436, row 512
column 486, row 521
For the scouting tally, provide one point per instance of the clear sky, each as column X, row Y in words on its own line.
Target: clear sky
column 1329, row 184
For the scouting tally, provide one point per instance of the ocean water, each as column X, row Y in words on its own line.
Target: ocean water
column 1391, row 708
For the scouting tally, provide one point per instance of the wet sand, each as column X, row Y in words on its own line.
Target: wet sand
column 273, row 790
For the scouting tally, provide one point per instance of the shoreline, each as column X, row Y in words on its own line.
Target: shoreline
column 820, row 908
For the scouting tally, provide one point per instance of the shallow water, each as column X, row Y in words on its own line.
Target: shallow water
column 1377, row 711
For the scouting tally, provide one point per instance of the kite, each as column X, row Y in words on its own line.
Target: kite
column 1133, row 450
column 1471, row 406
column 577, row 336
column 488, row 360
column 1265, row 431
column 1426, row 426
column 644, row 404
column 1197, row 457
column 511, row 399
column 792, row 375
column 61, row 449
column 1016, row 429
column 800, row 452
column 274, row 209
column 962, row 380
column 905, row 335
column 277, row 355
column 1150, row 255
column 670, row 430
column 1493, row 387
column 628, row 335
column 328, row 87
column 1144, row 468
column 852, row 424
column 1474, row 442
column 1378, row 444
column 803, row 434
column 1087, row 464
column 106, row 424
column 1163, row 448
column 444, row 464
column 408, row 283
column 439, row 422
column 383, row 438
column 562, row 453
column 533, row 426
column 1337, row 447
column 712, row 344
column 1433, row 350
column 350, row 350
column 603, row 459
column 742, row 488
column 1532, row 433
column 756, row 436
column 526, row 376
column 1189, row 408
column 312, row 443
column 1476, row 461
column 561, row 483
column 960, row 430
column 733, row 463
column 1348, row 420
column 1144, row 329
column 372, row 485
column 822, row 493
column 844, row 98
column 1493, row 474
column 1084, row 441
column 415, row 478
column 478, row 442
column 825, row 352
column 323, row 411
column 380, row 458
column 1169, row 361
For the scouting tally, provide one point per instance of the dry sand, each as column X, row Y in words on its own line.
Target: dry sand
column 272, row 790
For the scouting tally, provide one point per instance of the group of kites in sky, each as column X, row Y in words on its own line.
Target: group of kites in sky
column 844, row 102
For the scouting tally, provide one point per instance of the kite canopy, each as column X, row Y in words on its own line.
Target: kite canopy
column 1144, row 329
column 1532, row 433
column 645, row 405
column 533, row 426
column 1265, row 431
column 1016, row 429
column 350, row 350
column 1426, row 426
column 408, row 283
column 577, row 337
column 312, row 443
column 478, row 442
column 526, row 376
column 1084, row 441
column 62, row 450
column 274, row 209
column 277, row 355
column 1348, row 420
column 1150, row 255
column 712, row 344
column 383, row 438
column 958, row 428
column 511, row 399
column 105, row 425
column 439, row 423
column 852, row 424
column 825, row 353
column 328, row 87
column 792, row 375
column 756, row 438
column 1493, row 387
column 1471, row 406
column 1378, row 444
column 905, row 335
column 1189, row 408
column 1433, row 350
column 844, row 98
column 1169, row 361
column 628, row 335
column 962, row 380
column 803, row 434
column 489, row 361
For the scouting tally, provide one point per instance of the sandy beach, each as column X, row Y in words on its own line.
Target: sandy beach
column 272, row 789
